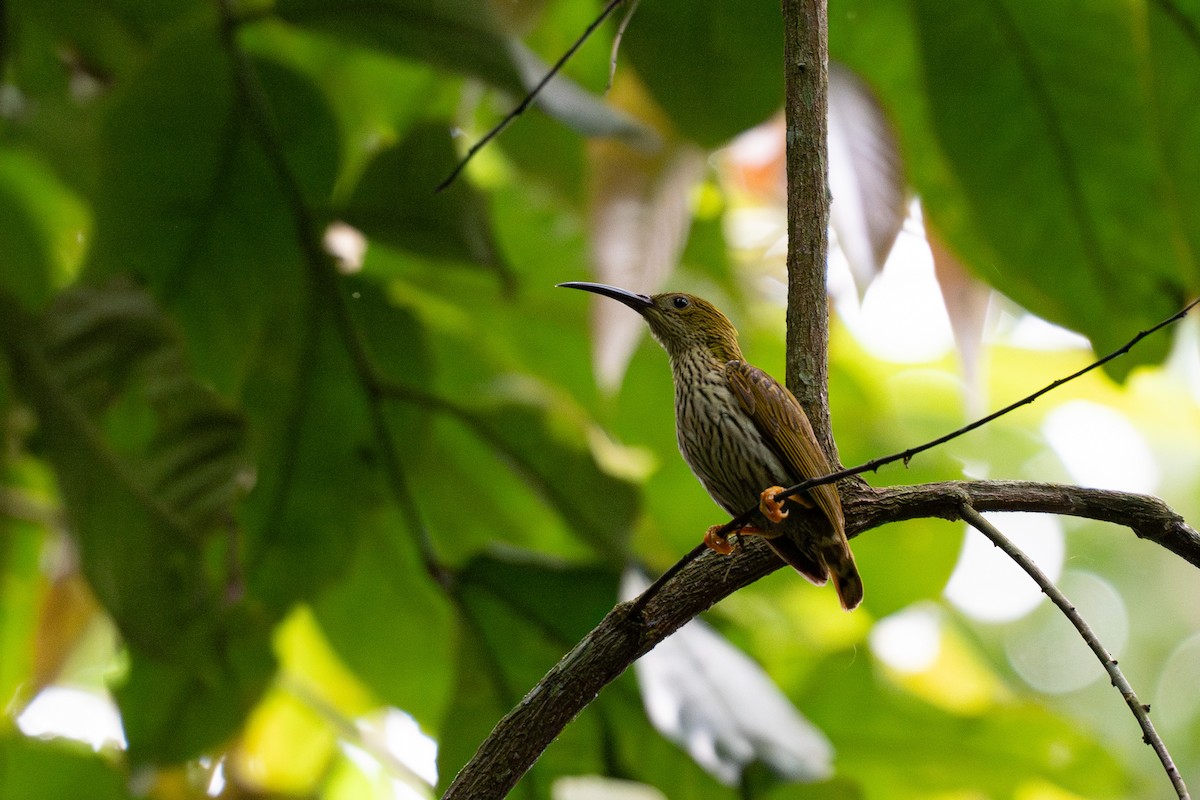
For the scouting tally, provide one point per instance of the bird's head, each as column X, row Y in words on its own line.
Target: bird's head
column 685, row 325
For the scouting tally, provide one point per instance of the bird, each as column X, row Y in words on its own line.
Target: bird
column 745, row 436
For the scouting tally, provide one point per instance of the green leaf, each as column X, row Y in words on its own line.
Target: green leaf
column 175, row 710
column 21, row 596
column 407, row 659
column 312, row 421
column 553, row 457
column 1172, row 54
column 714, row 66
column 395, row 203
column 457, row 35
column 149, row 463
column 106, row 38
column 188, row 202
column 544, row 446
column 1041, row 113
column 42, row 223
column 33, row 768
column 350, row 78
column 147, row 459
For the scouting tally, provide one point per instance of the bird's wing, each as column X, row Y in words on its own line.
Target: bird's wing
column 779, row 416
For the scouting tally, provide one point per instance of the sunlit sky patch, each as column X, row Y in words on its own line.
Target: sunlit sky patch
column 902, row 318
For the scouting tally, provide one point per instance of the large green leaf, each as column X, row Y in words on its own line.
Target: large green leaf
column 148, row 461
column 1053, row 150
column 1172, row 54
column 1041, row 112
column 352, row 81
column 312, row 421
column 515, row 454
column 187, row 200
column 715, row 66
column 174, row 710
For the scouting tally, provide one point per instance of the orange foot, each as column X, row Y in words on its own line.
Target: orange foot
column 772, row 507
column 719, row 543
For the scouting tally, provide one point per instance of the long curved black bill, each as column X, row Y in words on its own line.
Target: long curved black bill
column 638, row 302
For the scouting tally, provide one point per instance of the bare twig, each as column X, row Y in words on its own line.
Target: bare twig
column 1140, row 712
column 527, row 101
column 616, row 45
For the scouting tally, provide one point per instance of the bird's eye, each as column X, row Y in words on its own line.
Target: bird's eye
column 679, row 301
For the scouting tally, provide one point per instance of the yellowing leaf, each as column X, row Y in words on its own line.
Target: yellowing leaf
column 285, row 748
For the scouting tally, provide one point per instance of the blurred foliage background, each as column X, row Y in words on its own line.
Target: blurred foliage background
column 277, row 525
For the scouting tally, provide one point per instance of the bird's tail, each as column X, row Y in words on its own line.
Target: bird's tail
column 846, row 581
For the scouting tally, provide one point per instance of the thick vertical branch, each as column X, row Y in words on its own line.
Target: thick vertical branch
column 806, row 71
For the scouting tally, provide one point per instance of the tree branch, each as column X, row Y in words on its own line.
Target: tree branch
column 806, row 112
column 1140, row 712
column 622, row 637
column 1148, row 517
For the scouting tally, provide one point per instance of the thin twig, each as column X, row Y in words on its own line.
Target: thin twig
column 1140, row 711
column 616, row 45
column 527, row 101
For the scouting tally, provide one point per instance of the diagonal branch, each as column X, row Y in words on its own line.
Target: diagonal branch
column 1140, row 712
column 623, row 636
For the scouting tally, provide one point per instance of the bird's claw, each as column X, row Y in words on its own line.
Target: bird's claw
column 771, row 506
column 717, row 541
